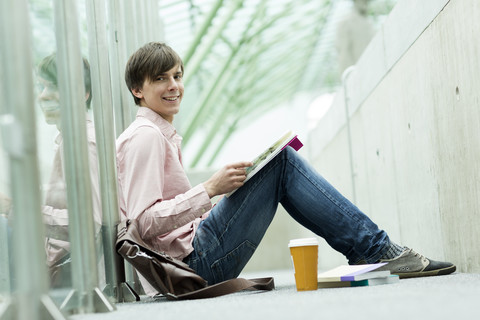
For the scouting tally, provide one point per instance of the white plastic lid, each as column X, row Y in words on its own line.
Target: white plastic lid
column 303, row 242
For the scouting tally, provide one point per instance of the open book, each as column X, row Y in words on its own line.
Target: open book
column 288, row 139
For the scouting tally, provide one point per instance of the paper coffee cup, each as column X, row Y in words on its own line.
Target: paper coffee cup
column 305, row 262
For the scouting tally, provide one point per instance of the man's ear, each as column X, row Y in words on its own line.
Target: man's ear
column 137, row 93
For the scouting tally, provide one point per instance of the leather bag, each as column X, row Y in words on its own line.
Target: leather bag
column 61, row 272
column 172, row 277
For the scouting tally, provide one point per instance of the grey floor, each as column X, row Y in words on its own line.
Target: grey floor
column 455, row 296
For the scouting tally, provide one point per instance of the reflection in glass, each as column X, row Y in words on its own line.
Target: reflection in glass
column 55, row 211
column 5, row 228
column 5, row 206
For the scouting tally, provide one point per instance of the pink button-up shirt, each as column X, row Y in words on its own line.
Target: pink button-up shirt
column 55, row 213
column 154, row 188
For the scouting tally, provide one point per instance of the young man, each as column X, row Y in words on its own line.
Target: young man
column 218, row 242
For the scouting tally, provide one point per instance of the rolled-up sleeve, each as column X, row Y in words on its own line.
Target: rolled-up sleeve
column 168, row 215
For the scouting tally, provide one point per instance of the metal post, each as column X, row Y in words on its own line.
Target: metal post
column 118, row 59
column 105, row 137
column 4, row 228
column 128, row 11
column 119, row 44
column 85, row 296
column 5, row 257
column 30, row 298
column 141, row 18
column 155, row 27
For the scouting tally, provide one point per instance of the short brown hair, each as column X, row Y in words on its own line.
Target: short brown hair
column 47, row 69
column 148, row 62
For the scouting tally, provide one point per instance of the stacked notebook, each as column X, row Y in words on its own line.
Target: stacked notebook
column 356, row 276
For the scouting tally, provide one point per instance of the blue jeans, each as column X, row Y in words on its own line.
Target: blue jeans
column 226, row 240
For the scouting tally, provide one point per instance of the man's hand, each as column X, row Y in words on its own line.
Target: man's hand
column 227, row 179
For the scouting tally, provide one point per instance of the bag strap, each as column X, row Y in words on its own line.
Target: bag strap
column 226, row 287
column 215, row 290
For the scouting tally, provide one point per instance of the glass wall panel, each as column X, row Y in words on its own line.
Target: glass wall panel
column 69, row 215
column 58, row 143
column 5, row 224
column 5, row 197
column 105, row 137
column 22, row 234
column 52, row 184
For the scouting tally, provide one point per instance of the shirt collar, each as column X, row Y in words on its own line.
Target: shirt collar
column 165, row 127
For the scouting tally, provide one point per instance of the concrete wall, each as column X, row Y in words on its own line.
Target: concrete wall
column 414, row 120
column 409, row 158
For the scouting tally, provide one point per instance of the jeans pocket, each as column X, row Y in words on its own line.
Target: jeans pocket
column 230, row 265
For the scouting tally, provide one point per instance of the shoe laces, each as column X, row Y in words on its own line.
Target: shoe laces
column 416, row 254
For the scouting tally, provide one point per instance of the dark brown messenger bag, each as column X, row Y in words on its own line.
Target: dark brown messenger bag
column 172, row 277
